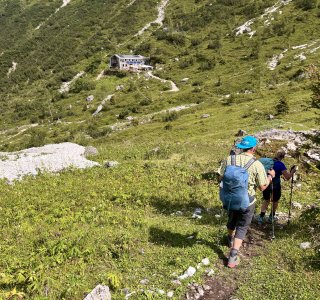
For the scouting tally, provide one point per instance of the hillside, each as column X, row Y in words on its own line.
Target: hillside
column 219, row 66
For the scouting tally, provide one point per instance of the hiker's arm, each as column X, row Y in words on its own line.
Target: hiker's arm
column 222, row 169
column 270, row 176
column 287, row 175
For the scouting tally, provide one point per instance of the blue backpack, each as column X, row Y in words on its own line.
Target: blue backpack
column 234, row 191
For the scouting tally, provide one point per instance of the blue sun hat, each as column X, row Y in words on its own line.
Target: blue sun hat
column 247, row 142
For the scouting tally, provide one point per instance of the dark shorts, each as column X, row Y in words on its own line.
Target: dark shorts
column 272, row 194
column 240, row 220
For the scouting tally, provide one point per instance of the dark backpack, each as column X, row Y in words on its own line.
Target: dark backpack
column 267, row 162
column 234, row 190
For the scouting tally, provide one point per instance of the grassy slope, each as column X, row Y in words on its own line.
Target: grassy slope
column 87, row 227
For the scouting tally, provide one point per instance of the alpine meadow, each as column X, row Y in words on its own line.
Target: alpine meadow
column 115, row 117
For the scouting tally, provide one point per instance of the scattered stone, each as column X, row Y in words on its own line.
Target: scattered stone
column 297, row 205
column 126, row 291
column 200, row 291
column 161, row 292
column 291, row 146
column 155, row 150
column 206, row 287
column 170, row 294
column 120, row 87
column 90, row 98
column 111, row 164
column 100, row 292
column 130, row 118
column 185, row 79
column 198, row 211
column 209, row 272
column 270, row 117
column 205, row 116
column 144, row 281
column 99, row 108
column 176, row 282
column 90, row 151
column 241, row 133
column 217, row 216
column 314, row 154
column 189, row 273
column 206, row 261
column 179, row 213
column 305, row 246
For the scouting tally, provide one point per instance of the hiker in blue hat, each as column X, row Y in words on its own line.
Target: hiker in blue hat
column 241, row 175
column 273, row 192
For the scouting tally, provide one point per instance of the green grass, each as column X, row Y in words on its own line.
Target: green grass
column 61, row 235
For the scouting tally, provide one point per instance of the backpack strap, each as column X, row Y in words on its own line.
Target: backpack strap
column 233, row 160
column 249, row 163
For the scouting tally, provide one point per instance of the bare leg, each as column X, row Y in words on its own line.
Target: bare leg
column 237, row 244
column 275, row 206
column 265, row 205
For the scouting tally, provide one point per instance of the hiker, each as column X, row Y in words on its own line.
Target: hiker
column 240, row 216
column 273, row 192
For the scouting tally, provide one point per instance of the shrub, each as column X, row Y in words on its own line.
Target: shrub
column 185, row 63
column 314, row 75
column 305, row 4
column 195, row 42
column 82, row 85
column 145, row 102
column 168, row 126
column 115, row 72
column 207, row 65
column 123, row 114
column 94, row 131
column 282, row 107
column 93, row 66
column 37, row 137
column 171, row 116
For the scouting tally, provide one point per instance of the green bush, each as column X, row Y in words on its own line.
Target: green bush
column 115, row 72
column 186, row 62
column 305, row 4
column 171, row 116
column 145, row 102
column 124, row 114
column 282, row 107
column 82, row 85
column 37, row 137
column 207, row 65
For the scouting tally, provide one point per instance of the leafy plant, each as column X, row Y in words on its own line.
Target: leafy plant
column 282, row 107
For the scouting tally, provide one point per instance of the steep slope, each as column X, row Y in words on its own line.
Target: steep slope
column 135, row 227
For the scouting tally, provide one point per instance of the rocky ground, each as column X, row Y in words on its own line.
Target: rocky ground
column 50, row 158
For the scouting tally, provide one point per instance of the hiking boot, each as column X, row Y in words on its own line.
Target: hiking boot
column 275, row 218
column 260, row 220
column 233, row 261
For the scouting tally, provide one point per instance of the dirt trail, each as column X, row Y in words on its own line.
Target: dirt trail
column 174, row 87
column 158, row 20
column 224, row 284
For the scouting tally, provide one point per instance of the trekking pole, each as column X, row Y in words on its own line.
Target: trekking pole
column 291, row 189
column 272, row 211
